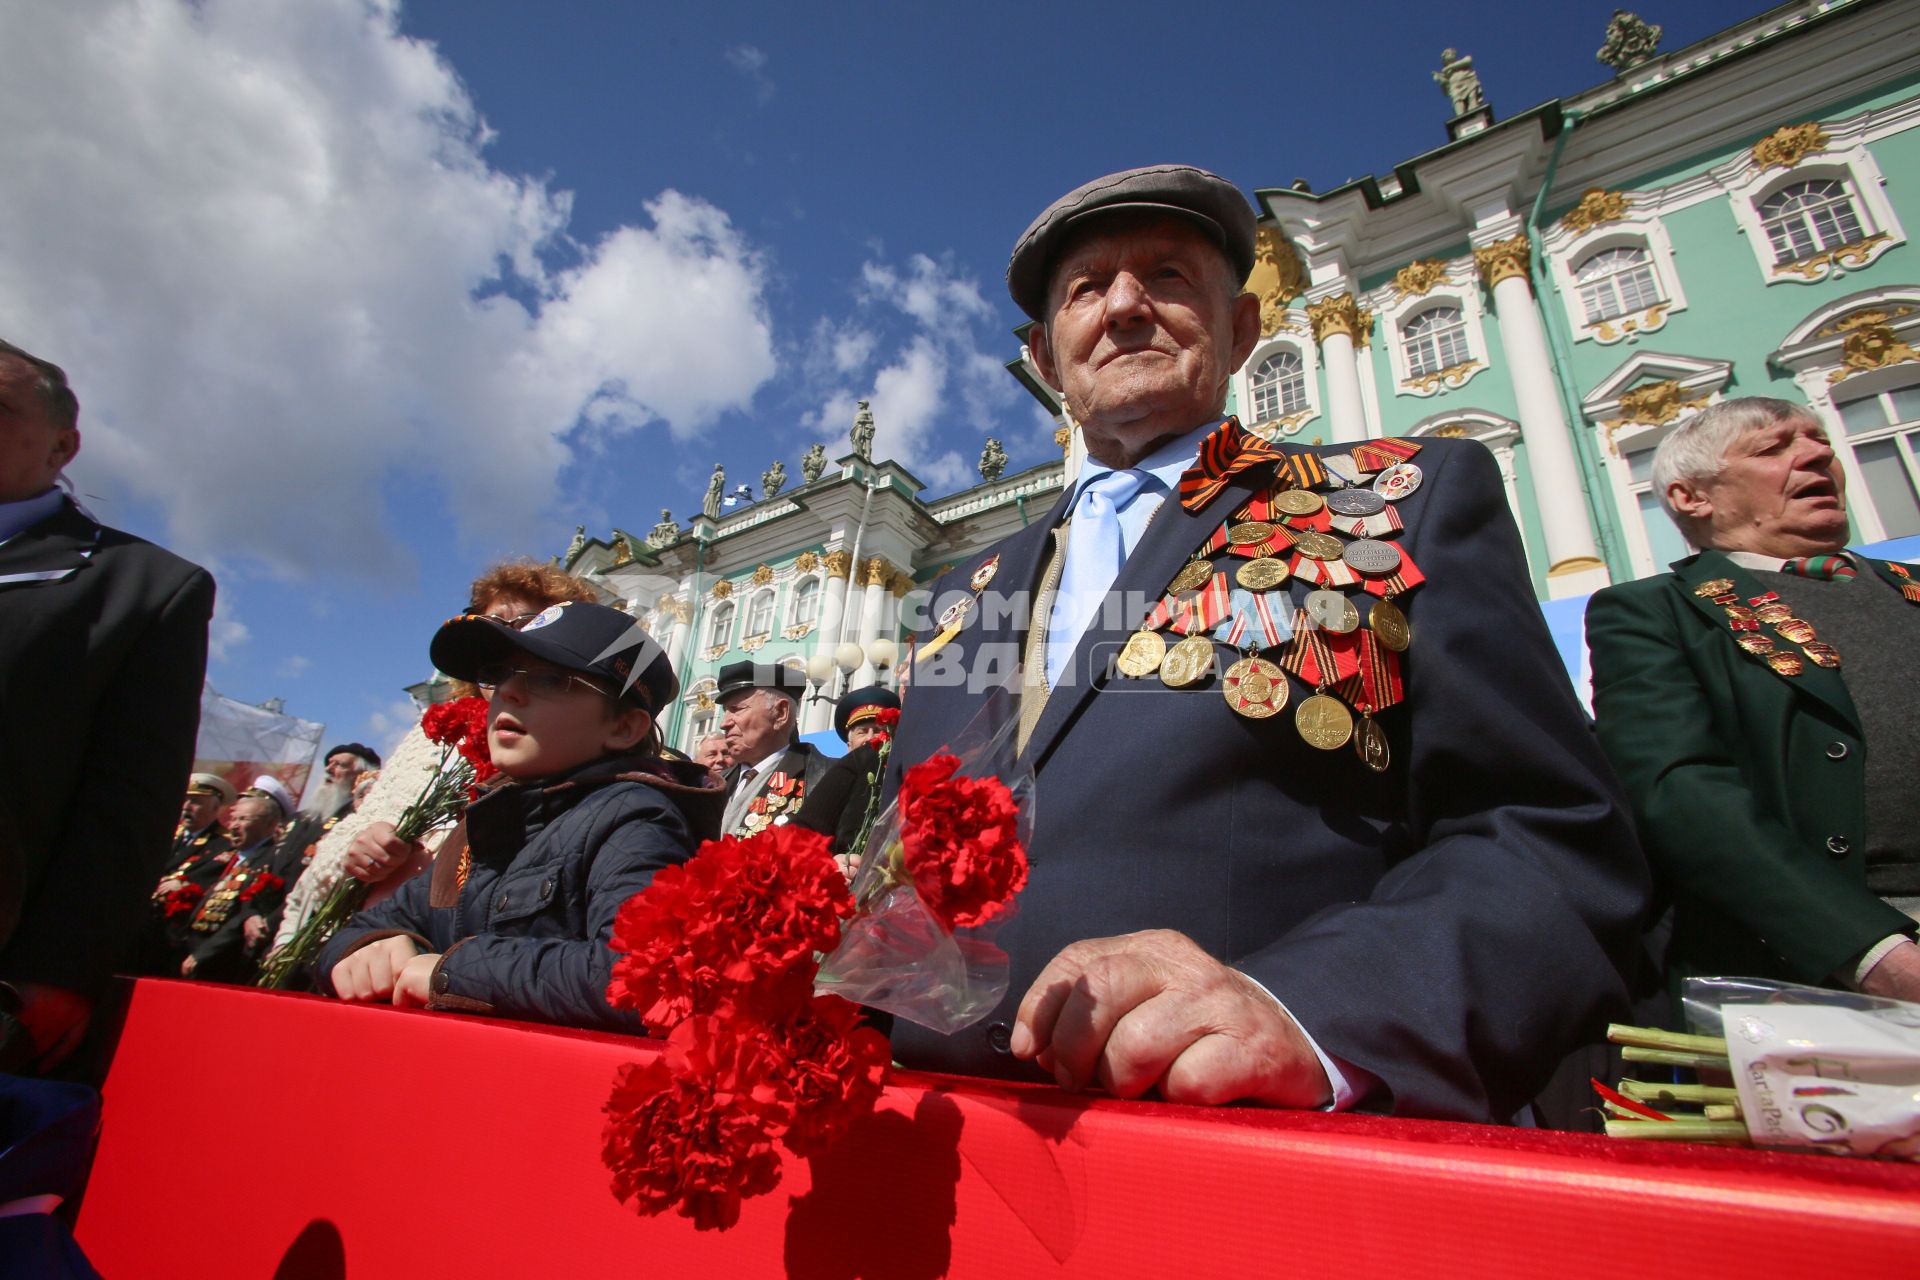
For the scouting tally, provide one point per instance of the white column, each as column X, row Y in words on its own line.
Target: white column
column 1336, row 321
column 1573, row 557
column 872, row 607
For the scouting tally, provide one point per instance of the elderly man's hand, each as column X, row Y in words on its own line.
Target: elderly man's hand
column 377, row 853
column 1897, row 975
column 1152, row 1009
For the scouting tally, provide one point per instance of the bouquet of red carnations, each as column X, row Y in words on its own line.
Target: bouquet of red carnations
column 723, row 956
column 460, row 727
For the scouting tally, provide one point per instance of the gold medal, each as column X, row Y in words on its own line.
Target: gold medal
column 1196, row 575
column 1739, row 611
column 1754, row 644
column 1320, row 546
column 1187, row 662
column 1324, row 722
column 1263, row 574
column 1717, row 587
column 1255, row 688
column 1821, row 653
column 1773, row 612
column 984, row 574
column 1797, row 630
column 1390, row 626
column 1142, row 655
column 1298, row 502
column 1787, row 664
column 1370, row 744
column 1242, row 535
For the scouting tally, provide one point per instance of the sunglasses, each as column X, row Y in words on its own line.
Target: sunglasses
column 546, row 682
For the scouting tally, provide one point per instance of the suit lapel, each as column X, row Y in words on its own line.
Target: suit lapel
column 1820, row 683
column 1171, row 538
column 56, row 548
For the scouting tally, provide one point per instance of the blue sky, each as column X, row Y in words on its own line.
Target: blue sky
column 359, row 296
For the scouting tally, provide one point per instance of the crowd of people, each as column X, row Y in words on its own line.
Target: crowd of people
column 1366, row 850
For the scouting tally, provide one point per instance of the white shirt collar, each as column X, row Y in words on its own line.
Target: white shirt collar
column 1771, row 564
column 1165, row 464
column 765, row 767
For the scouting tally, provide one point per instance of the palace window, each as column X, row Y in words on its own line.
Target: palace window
column 720, row 625
column 760, row 614
column 1883, row 430
column 1279, row 386
column 806, row 602
column 1617, row 282
column 1434, row 340
column 1809, row 218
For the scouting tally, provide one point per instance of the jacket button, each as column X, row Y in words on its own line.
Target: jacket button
column 500, row 903
column 1838, row 846
column 546, row 888
column 1836, row 751
column 1000, row 1037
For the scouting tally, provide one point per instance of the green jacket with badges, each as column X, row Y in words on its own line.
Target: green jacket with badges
column 1748, row 784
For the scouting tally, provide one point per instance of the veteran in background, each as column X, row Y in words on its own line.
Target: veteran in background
column 1757, row 702
column 773, row 771
column 837, row 806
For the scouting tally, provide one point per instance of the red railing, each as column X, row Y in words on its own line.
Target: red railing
column 250, row 1133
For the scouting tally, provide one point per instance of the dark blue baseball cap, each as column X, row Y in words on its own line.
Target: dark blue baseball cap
column 606, row 644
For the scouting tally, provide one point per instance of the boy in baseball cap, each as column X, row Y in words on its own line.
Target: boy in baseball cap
column 515, row 917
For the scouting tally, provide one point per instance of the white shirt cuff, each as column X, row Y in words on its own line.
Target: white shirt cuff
column 1350, row 1083
column 1875, row 954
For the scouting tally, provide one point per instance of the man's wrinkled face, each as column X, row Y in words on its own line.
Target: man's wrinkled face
column 252, row 821
column 343, row 767
column 711, row 754
column 198, row 811
column 1780, row 492
column 32, row 449
column 1144, row 328
column 757, row 723
column 861, row 734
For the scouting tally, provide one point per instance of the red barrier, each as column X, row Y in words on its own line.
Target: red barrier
column 250, row 1133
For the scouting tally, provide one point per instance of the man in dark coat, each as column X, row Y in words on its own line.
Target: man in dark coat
column 773, row 771
column 103, row 649
column 837, row 805
column 1377, row 861
column 252, row 884
column 1757, row 704
column 200, row 854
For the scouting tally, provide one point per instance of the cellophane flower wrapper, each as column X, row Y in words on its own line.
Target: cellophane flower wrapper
column 897, row 953
column 1817, row 1069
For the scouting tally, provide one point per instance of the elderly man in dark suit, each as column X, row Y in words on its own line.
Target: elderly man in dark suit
column 1377, row 860
column 773, row 771
column 1757, row 702
column 103, row 647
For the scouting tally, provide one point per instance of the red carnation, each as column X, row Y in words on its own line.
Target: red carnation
column 265, row 882
column 694, row 1129
column 725, row 930
column 887, row 717
column 182, row 901
column 961, row 842
column 835, row 1067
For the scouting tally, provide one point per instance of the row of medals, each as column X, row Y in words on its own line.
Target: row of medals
column 1256, row 687
column 1745, row 620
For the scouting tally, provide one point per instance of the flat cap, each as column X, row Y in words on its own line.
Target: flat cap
column 738, row 677
column 1210, row 201
column 359, row 749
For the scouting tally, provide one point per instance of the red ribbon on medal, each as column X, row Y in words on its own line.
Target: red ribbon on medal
column 1377, row 684
column 1201, row 610
column 1405, row 578
column 1378, row 455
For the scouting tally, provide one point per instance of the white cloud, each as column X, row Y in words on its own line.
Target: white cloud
column 254, row 234
column 295, row 665
column 226, row 633
column 751, row 62
column 940, row 377
column 388, row 723
column 852, row 348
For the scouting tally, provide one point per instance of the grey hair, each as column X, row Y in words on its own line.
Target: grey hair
column 1697, row 449
column 63, row 407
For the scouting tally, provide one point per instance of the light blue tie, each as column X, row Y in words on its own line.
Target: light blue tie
column 1096, row 547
